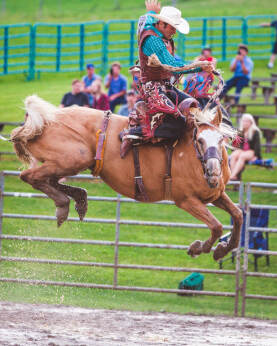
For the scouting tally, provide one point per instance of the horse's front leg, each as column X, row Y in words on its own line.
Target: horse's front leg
column 225, row 203
column 199, row 210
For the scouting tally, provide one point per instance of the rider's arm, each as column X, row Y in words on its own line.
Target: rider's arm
column 155, row 45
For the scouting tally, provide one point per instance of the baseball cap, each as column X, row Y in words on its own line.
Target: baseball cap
column 243, row 46
column 131, row 92
column 90, row 66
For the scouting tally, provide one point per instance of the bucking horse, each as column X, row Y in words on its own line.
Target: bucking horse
column 65, row 140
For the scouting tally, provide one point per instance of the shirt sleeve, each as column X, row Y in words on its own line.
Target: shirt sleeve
column 155, row 45
column 123, row 84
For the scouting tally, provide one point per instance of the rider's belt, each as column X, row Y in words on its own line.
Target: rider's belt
column 100, row 144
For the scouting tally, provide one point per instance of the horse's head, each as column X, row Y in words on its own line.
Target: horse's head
column 208, row 142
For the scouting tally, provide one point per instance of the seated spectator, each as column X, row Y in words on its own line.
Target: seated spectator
column 100, row 99
column 125, row 110
column 250, row 146
column 88, row 80
column 242, row 67
column 76, row 96
column 206, row 55
column 198, row 85
column 117, row 85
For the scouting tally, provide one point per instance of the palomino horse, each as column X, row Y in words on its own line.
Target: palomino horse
column 64, row 141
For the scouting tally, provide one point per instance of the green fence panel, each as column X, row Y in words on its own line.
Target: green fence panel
column 31, row 49
column 15, row 48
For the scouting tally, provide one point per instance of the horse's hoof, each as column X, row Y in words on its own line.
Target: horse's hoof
column 221, row 250
column 62, row 214
column 195, row 248
column 81, row 205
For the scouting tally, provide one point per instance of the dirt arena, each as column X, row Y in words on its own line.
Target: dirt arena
column 28, row 324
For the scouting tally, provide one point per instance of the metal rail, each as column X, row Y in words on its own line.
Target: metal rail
column 116, row 265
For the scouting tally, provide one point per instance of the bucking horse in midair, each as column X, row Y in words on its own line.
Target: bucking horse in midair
column 65, row 141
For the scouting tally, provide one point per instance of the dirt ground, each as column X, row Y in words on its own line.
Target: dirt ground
column 30, row 324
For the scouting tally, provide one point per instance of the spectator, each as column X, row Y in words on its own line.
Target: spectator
column 206, row 55
column 273, row 24
column 100, row 99
column 76, row 96
column 242, row 67
column 250, row 147
column 125, row 110
column 117, row 85
column 88, row 80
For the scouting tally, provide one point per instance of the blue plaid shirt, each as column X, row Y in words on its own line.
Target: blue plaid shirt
column 155, row 45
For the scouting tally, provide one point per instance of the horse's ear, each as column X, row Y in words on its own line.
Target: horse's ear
column 218, row 117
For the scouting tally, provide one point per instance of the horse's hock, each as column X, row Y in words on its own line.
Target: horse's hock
column 240, row 282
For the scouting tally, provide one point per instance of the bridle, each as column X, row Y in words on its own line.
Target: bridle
column 210, row 153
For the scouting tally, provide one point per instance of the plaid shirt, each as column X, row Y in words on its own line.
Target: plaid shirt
column 155, row 45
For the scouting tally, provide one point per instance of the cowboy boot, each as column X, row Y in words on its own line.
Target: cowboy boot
column 129, row 139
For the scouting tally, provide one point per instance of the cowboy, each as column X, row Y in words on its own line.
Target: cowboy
column 157, row 115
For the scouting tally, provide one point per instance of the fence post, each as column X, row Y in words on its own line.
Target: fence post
column 246, row 245
column 223, row 39
column 132, row 43
column 238, row 254
column 32, row 53
column 105, row 48
column 6, row 50
column 245, row 30
column 1, row 208
column 58, row 54
column 82, row 46
column 117, row 231
column 204, row 32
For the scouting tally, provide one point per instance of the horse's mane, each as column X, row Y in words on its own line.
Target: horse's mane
column 208, row 116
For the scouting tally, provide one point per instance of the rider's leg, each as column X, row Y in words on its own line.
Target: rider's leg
column 135, row 131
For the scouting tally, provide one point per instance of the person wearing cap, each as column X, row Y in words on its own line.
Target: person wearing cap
column 125, row 110
column 117, row 85
column 155, row 36
column 88, row 79
column 242, row 66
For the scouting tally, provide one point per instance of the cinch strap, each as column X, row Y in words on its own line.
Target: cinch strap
column 101, row 144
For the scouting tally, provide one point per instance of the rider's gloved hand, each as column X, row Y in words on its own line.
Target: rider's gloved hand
column 207, row 66
column 153, row 5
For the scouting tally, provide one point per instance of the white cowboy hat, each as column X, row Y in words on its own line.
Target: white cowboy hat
column 173, row 16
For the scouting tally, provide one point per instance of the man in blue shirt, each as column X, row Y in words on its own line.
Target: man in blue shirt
column 242, row 66
column 117, row 85
column 88, row 80
column 125, row 110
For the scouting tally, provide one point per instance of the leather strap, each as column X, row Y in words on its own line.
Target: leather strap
column 101, row 143
column 167, row 178
column 140, row 193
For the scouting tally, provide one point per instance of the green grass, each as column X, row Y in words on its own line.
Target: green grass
column 88, row 10
column 51, row 87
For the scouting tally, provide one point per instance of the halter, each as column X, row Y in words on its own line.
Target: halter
column 210, row 153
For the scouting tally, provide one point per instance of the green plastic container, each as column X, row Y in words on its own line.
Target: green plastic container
column 195, row 281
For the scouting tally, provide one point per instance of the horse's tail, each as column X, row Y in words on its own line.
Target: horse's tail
column 39, row 114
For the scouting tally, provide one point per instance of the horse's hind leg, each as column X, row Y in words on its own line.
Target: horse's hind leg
column 39, row 179
column 78, row 194
column 225, row 203
column 197, row 209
